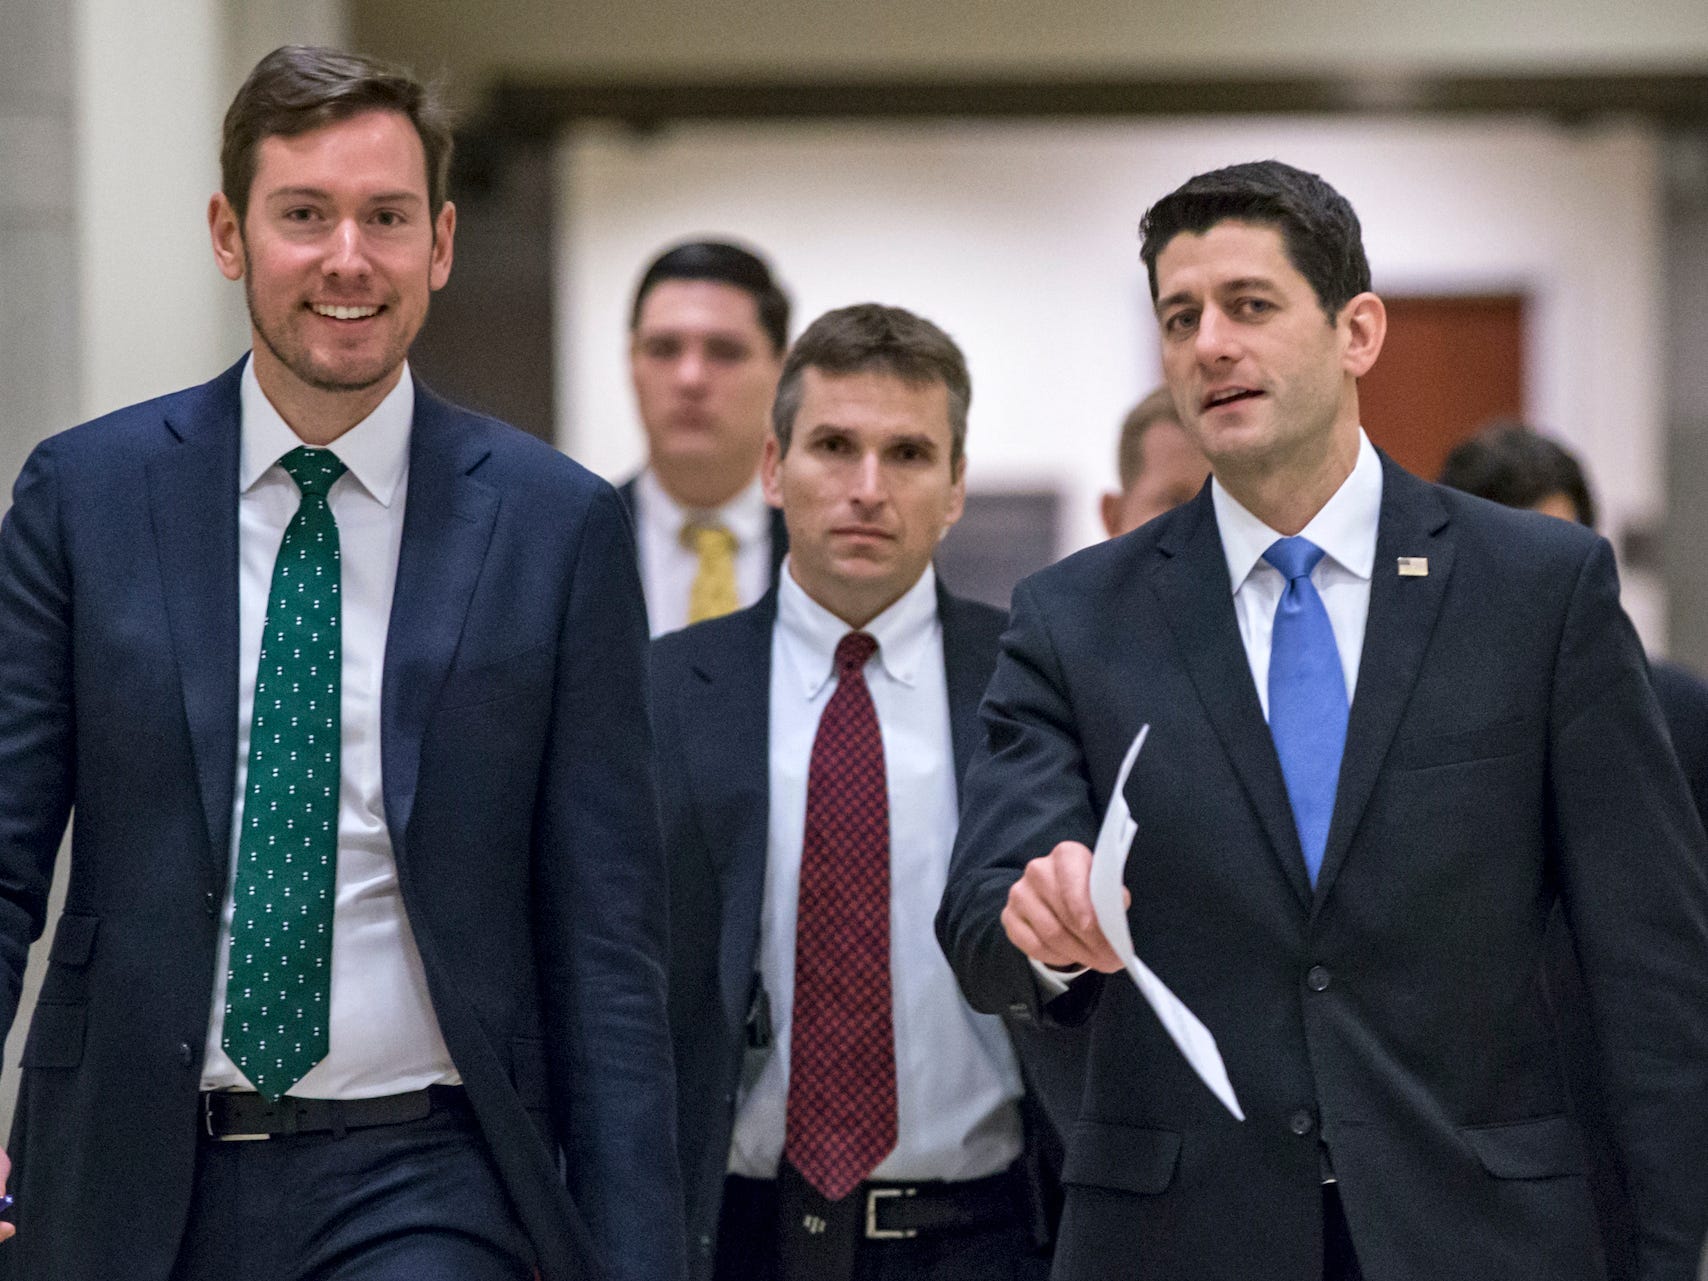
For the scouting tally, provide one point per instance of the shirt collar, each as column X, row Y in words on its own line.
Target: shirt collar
column 1345, row 528
column 747, row 515
column 376, row 450
column 811, row 632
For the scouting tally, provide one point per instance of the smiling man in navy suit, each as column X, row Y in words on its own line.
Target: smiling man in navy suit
column 361, row 969
column 843, row 1113
column 1391, row 725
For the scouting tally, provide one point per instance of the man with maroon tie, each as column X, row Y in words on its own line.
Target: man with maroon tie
column 842, row 1112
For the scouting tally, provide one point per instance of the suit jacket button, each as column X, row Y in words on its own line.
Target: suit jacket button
column 186, row 1055
column 1302, row 1122
column 210, row 903
column 1317, row 978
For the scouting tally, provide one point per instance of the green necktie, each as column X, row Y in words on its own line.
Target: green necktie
column 278, row 989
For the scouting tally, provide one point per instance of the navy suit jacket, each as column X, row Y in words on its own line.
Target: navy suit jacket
column 712, row 695
column 518, row 793
column 1504, row 751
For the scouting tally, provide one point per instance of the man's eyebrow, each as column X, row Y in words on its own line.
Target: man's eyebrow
column 320, row 193
column 1182, row 297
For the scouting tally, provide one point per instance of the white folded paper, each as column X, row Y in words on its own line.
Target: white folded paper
column 1108, row 863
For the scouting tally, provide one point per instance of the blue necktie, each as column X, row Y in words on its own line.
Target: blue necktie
column 1307, row 697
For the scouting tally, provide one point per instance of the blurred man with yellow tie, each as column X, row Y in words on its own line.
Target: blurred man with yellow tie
column 707, row 334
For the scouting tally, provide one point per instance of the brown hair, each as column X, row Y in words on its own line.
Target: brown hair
column 298, row 88
column 1158, row 407
column 889, row 340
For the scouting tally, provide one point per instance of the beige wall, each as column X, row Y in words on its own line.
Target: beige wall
column 1074, row 38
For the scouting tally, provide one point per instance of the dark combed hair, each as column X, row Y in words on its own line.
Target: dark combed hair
column 298, row 88
column 871, row 337
column 1319, row 229
column 1509, row 463
column 724, row 264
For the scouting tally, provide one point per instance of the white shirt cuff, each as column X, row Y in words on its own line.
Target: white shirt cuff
column 1053, row 982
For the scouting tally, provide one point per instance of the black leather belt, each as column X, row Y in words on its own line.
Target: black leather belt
column 234, row 1115
column 903, row 1211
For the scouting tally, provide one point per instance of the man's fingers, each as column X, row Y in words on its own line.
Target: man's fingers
column 1049, row 914
column 1024, row 937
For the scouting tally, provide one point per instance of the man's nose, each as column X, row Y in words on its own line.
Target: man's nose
column 1217, row 338
column 869, row 490
column 691, row 368
column 346, row 255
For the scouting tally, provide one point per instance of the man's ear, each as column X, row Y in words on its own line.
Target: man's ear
column 444, row 232
column 770, row 469
column 226, row 231
column 1365, row 320
column 1110, row 508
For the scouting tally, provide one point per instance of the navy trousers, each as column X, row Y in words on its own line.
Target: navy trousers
column 418, row 1201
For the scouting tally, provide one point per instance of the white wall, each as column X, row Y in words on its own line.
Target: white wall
column 1021, row 241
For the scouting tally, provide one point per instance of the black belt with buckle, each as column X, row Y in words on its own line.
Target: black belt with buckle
column 236, row 1115
column 902, row 1211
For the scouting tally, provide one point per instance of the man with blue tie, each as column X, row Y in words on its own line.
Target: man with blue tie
column 360, row 974
column 1391, row 725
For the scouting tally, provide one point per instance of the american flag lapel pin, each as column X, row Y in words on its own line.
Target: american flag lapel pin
column 1414, row 567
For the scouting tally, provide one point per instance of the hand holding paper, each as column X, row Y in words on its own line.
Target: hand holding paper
column 1108, row 865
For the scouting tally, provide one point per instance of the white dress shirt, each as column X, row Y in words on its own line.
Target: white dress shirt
column 667, row 568
column 385, row 1038
column 1345, row 529
column 957, row 1083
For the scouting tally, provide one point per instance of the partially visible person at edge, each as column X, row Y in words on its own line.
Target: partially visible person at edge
column 1511, row 464
column 361, row 970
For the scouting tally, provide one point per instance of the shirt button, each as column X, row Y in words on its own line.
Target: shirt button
column 1317, row 978
column 1302, row 1122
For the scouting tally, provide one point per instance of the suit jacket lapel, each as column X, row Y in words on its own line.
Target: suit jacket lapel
column 1191, row 579
column 1401, row 619
column 447, row 526
column 966, row 681
column 727, row 727
column 192, row 490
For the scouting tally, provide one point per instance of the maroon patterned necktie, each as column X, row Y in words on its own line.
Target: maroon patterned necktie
column 841, row 1119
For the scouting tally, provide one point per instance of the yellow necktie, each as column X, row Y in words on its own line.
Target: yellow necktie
column 713, row 592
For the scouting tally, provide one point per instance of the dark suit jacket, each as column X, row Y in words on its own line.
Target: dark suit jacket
column 518, row 794
column 1504, row 749
column 712, row 694
column 1683, row 700
column 779, row 532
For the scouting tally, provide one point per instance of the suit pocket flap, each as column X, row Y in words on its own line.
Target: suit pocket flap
column 1547, row 1147
column 74, row 940
column 56, row 1037
column 1124, row 1157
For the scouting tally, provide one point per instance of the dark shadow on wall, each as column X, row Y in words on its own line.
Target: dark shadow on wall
column 488, row 342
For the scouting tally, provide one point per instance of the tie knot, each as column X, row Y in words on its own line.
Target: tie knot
column 707, row 538
column 314, row 470
column 1294, row 557
column 853, row 652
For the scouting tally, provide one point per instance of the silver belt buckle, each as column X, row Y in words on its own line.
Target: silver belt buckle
column 207, row 1125
column 873, row 1231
